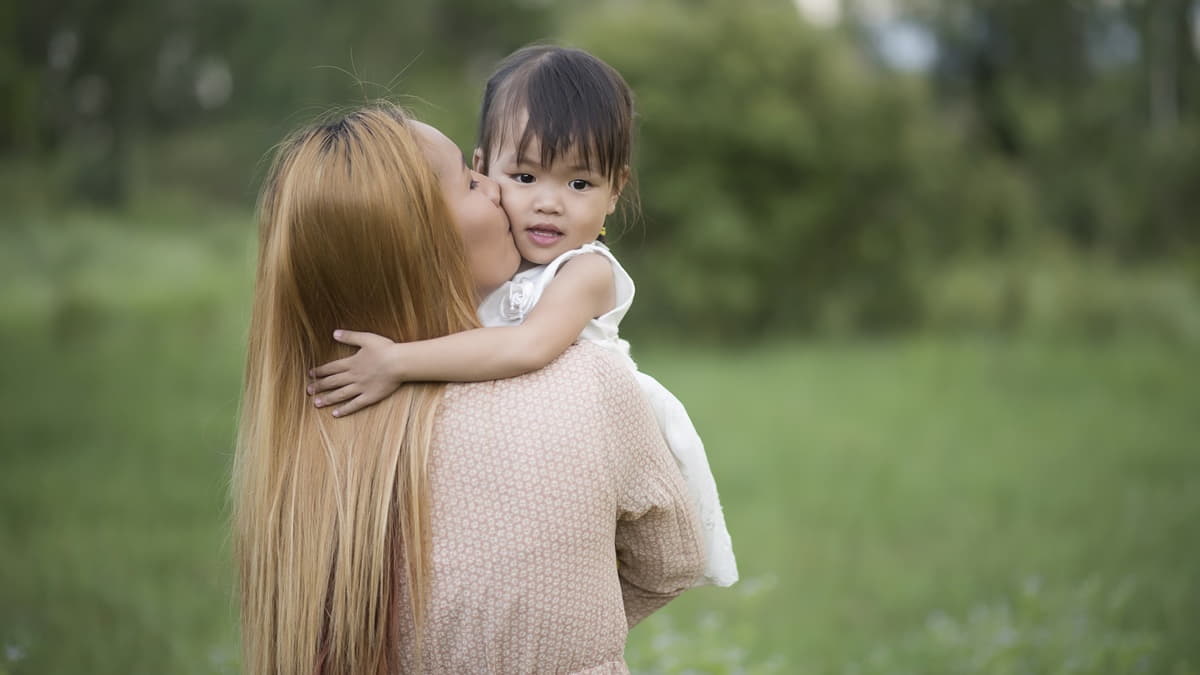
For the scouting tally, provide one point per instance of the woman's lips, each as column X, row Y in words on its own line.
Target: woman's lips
column 542, row 235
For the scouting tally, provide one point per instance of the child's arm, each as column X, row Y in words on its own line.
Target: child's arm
column 582, row 289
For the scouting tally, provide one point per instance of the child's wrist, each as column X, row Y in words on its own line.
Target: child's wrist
column 395, row 369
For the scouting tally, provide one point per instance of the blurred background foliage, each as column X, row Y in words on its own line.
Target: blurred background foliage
column 806, row 166
column 925, row 272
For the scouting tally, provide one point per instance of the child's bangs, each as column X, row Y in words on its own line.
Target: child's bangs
column 583, row 126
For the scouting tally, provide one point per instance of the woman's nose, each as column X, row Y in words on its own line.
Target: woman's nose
column 489, row 187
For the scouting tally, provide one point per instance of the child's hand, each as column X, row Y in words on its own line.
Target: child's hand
column 360, row 380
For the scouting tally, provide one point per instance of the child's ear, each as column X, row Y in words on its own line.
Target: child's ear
column 477, row 160
column 622, row 180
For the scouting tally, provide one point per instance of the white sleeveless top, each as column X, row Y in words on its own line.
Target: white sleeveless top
column 512, row 302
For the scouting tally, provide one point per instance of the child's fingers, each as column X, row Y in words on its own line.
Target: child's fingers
column 352, row 337
column 337, row 396
column 331, row 368
column 354, row 405
column 332, row 382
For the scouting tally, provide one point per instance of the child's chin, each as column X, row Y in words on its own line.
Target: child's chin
column 539, row 256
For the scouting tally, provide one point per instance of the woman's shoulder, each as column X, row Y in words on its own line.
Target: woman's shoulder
column 585, row 365
column 583, row 405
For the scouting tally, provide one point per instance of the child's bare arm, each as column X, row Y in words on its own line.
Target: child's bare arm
column 582, row 289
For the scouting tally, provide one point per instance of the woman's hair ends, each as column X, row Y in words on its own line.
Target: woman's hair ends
column 330, row 515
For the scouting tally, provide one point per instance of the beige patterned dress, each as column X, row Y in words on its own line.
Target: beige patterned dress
column 559, row 520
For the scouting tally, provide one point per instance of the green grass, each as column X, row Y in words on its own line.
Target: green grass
column 882, row 490
column 907, row 506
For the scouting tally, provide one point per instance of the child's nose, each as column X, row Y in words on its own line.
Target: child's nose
column 547, row 201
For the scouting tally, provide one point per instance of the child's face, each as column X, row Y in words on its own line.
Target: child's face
column 553, row 209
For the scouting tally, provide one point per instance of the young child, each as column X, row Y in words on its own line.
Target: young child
column 556, row 134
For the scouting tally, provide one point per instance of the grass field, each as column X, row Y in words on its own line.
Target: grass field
column 904, row 506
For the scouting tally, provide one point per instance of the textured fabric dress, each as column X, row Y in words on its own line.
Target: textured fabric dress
column 559, row 520
column 512, row 302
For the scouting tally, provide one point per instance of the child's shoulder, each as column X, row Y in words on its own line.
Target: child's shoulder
column 592, row 250
column 588, row 262
column 591, row 264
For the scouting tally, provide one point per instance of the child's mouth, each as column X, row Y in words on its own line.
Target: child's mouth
column 544, row 235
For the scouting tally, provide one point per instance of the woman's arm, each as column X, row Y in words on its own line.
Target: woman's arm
column 582, row 290
column 659, row 553
column 660, row 550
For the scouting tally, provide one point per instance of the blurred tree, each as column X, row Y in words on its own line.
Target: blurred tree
column 786, row 183
column 1092, row 101
column 794, row 176
column 1170, row 55
column 86, row 82
column 89, row 78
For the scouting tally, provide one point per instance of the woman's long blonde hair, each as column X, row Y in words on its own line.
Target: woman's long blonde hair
column 331, row 515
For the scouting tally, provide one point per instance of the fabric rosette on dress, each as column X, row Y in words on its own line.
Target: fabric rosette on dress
column 518, row 300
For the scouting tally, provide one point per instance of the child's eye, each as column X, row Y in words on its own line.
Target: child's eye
column 579, row 184
column 523, row 177
column 474, row 183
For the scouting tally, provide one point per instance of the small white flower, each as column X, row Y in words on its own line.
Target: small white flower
column 14, row 653
column 518, row 302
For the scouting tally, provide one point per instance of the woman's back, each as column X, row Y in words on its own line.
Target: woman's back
column 538, row 484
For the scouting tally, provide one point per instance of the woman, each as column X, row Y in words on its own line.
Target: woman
column 460, row 528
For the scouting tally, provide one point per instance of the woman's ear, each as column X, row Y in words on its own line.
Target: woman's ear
column 477, row 160
column 622, row 180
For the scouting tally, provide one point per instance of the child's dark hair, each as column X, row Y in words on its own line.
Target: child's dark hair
column 574, row 101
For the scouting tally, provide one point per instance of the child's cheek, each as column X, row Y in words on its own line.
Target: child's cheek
column 506, row 200
column 509, row 206
column 513, row 224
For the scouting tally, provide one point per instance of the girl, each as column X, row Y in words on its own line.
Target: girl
column 556, row 134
